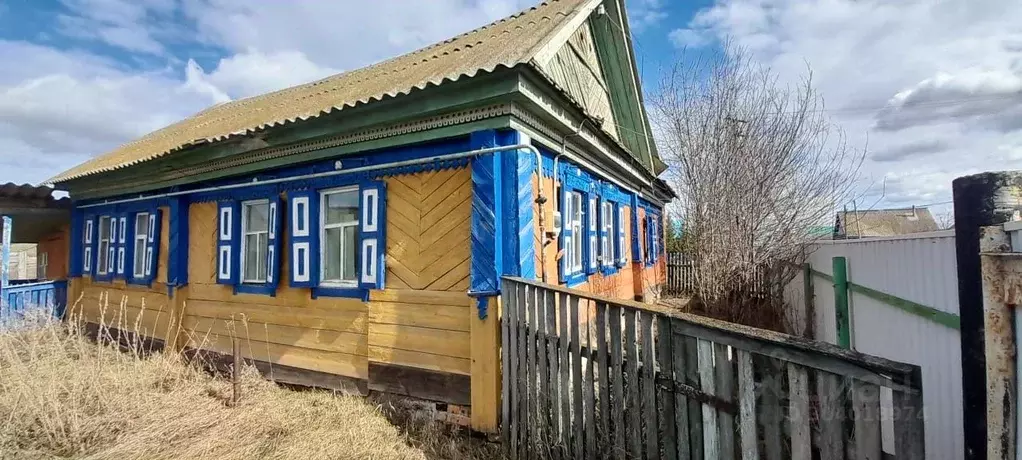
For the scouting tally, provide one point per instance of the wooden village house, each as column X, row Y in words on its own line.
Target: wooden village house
column 355, row 229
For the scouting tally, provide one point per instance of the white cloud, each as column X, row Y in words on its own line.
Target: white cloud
column 646, row 13
column 340, row 34
column 60, row 106
column 254, row 72
column 73, row 106
column 933, row 88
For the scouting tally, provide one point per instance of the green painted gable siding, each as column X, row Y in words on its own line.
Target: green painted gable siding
column 576, row 68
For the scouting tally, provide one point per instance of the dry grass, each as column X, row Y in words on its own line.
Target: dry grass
column 64, row 396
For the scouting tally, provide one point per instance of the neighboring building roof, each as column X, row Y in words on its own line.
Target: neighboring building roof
column 12, row 191
column 506, row 43
column 884, row 222
column 34, row 211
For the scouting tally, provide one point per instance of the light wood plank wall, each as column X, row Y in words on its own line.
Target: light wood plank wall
column 326, row 334
column 423, row 319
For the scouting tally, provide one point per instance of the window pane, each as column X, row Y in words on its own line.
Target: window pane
column 141, row 225
column 260, row 260
column 139, row 258
column 341, row 207
column 252, row 261
column 257, row 217
column 104, row 228
column 349, row 253
column 331, row 254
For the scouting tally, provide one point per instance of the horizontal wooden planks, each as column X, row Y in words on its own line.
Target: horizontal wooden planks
column 447, row 317
column 316, row 339
column 420, row 360
column 290, row 297
column 435, row 341
column 421, row 329
column 150, row 323
column 348, row 365
column 421, row 297
column 312, row 318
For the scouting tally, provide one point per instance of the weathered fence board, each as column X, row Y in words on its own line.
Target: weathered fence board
column 747, row 406
column 591, row 377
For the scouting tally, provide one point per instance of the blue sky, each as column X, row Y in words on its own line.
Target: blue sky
column 79, row 77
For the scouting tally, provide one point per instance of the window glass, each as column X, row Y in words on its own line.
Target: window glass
column 256, row 227
column 141, row 233
column 341, row 207
column 104, row 245
column 340, row 212
column 608, row 233
column 576, row 228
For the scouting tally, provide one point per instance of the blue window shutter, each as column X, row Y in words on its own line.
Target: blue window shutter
column 122, row 230
column 88, row 245
column 228, row 241
column 566, row 236
column 273, row 245
column 111, row 249
column 372, row 249
column 303, row 208
column 619, row 224
column 152, row 245
column 129, row 246
column 591, row 214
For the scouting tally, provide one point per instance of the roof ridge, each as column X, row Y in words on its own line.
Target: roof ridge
column 503, row 43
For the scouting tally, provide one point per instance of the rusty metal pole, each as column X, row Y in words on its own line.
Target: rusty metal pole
column 999, row 338
column 235, row 378
column 980, row 200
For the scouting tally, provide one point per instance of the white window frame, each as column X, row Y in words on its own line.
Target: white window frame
column 574, row 253
column 606, row 243
column 244, row 238
column 323, row 195
column 42, row 263
column 138, row 269
column 103, row 258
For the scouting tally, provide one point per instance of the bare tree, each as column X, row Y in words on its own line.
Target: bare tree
column 945, row 219
column 756, row 164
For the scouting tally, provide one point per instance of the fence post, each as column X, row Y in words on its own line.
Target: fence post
column 980, row 200
column 809, row 295
column 841, row 302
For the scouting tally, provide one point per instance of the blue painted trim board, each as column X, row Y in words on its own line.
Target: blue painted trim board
column 177, row 266
column 486, row 210
column 5, row 250
column 76, row 245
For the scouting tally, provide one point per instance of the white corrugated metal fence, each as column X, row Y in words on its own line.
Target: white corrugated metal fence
column 920, row 269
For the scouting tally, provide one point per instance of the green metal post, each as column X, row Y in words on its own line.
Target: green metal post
column 844, row 336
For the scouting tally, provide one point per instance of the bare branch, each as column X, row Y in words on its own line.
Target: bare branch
column 757, row 165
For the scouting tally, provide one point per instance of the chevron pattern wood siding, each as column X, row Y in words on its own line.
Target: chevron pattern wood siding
column 428, row 230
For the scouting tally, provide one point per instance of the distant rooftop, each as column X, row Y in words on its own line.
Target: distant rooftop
column 884, row 222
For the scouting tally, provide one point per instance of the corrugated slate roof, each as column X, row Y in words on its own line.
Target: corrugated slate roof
column 885, row 222
column 14, row 192
column 506, row 43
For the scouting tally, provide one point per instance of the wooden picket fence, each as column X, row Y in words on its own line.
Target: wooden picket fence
column 681, row 275
column 590, row 377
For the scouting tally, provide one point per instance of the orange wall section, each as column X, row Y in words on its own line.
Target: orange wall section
column 627, row 283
